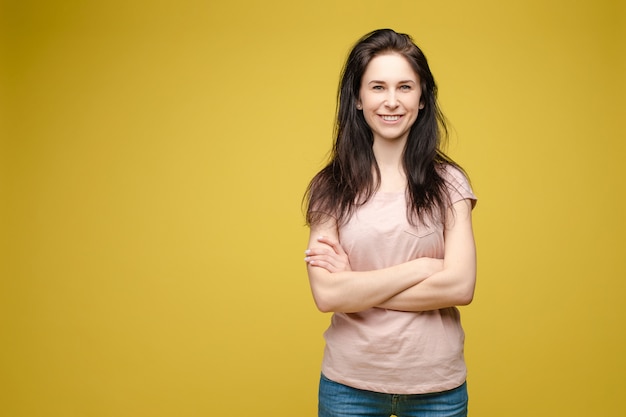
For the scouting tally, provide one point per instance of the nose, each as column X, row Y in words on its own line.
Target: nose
column 392, row 101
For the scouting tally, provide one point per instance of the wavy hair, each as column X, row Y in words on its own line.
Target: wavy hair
column 352, row 175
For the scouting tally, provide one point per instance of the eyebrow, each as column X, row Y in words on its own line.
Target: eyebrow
column 399, row 82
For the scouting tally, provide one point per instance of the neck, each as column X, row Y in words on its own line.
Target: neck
column 388, row 156
column 388, row 153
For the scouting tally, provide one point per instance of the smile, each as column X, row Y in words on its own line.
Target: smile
column 390, row 118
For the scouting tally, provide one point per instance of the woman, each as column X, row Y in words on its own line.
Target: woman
column 391, row 251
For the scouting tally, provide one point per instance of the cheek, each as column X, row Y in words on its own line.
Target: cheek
column 369, row 119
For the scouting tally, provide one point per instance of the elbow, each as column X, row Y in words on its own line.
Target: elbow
column 324, row 308
column 465, row 299
column 324, row 302
column 465, row 295
column 322, row 291
column 326, row 296
column 322, row 305
column 331, row 304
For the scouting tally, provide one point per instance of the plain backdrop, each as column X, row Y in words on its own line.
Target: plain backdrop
column 154, row 154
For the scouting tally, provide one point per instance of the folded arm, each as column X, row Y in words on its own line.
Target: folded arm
column 337, row 288
column 418, row 285
column 454, row 284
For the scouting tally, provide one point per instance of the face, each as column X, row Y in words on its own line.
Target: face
column 390, row 97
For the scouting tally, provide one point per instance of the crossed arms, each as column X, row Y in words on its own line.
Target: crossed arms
column 418, row 285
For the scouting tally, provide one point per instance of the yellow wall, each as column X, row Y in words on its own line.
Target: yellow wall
column 154, row 155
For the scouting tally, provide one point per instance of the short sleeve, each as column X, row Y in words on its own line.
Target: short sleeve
column 458, row 185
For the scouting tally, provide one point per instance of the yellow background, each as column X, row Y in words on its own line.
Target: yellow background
column 153, row 159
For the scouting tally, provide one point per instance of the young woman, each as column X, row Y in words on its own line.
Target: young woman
column 391, row 251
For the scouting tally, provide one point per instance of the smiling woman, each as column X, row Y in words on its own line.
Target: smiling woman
column 390, row 97
column 391, row 251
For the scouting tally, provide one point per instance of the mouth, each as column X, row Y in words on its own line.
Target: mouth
column 390, row 118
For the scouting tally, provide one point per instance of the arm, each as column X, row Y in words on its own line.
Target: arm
column 454, row 284
column 336, row 288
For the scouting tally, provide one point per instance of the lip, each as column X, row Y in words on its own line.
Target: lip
column 390, row 118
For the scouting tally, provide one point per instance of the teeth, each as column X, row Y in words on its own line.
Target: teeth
column 390, row 118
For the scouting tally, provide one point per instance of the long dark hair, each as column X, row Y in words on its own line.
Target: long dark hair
column 347, row 181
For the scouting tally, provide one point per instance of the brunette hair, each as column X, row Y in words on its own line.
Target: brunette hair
column 347, row 181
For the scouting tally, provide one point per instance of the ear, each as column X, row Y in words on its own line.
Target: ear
column 421, row 106
column 359, row 106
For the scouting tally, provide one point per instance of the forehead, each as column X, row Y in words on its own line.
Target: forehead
column 389, row 67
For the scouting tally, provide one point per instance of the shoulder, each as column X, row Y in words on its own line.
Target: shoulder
column 453, row 174
column 457, row 183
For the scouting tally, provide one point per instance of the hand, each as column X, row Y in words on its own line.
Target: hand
column 329, row 256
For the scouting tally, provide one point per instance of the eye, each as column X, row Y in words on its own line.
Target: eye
column 377, row 87
column 406, row 87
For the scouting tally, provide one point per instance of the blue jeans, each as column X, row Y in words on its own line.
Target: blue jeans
column 338, row 400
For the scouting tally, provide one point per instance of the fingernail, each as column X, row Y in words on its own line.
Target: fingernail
column 307, row 251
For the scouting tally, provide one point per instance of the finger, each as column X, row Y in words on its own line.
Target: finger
column 319, row 251
column 317, row 263
column 327, row 242
column 335, row 245
column 334, row 261
column 325, row 260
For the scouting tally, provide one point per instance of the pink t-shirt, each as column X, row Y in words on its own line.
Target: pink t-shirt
column 394, row 351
